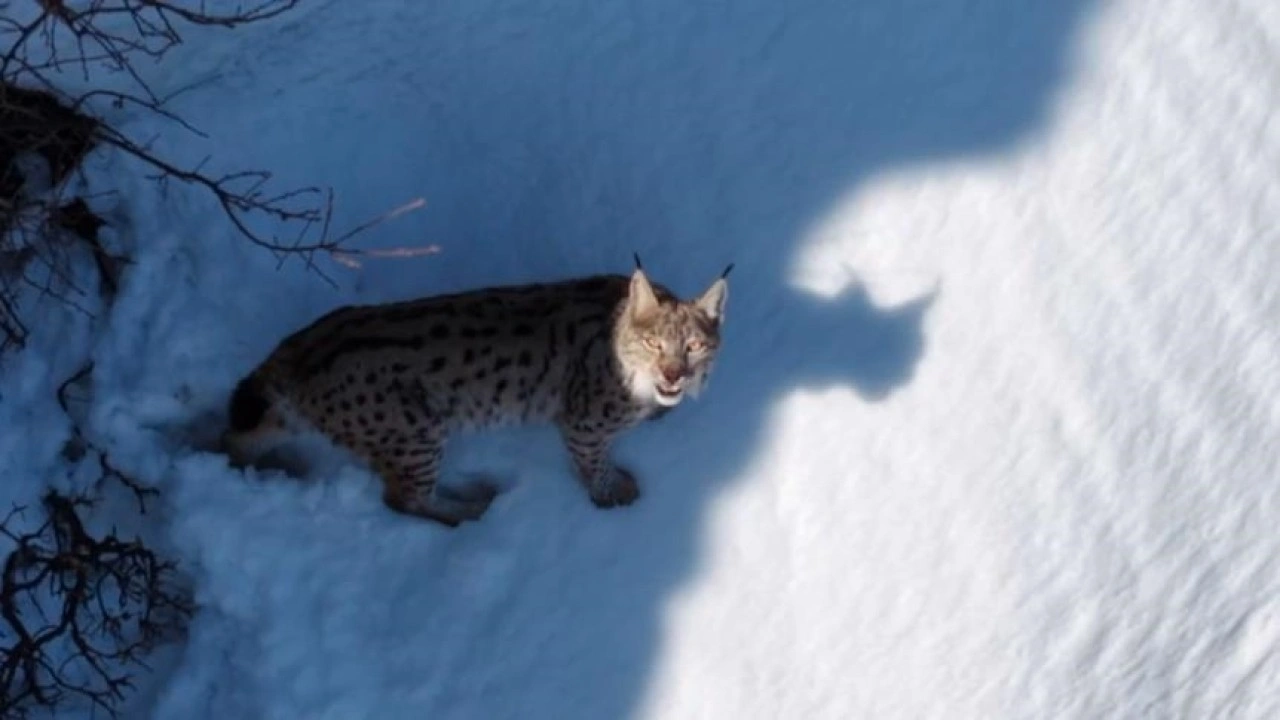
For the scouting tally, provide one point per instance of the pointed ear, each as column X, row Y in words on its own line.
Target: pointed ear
column 712, row 301
column 641, row 301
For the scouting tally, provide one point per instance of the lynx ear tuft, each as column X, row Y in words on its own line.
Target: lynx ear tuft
column 712, row 301
column 641, row 302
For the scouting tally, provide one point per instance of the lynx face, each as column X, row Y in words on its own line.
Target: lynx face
column 667, row 346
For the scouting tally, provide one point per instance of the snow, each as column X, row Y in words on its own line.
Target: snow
column 992, row 434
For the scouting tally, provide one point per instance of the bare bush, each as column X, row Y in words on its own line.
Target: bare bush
column 40, row 229
column 78, row 612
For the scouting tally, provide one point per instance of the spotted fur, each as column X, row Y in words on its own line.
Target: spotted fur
column 595, row 356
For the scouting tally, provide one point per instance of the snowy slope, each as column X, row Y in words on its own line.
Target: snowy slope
column 991, row 437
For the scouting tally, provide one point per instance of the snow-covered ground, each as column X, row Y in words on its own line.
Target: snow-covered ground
column 993, row 434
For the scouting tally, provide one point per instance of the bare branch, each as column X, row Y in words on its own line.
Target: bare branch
column 36, row 118
column 79, row 612
column 100, row 603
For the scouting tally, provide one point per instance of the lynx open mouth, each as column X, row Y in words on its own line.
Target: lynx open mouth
column 668, row 396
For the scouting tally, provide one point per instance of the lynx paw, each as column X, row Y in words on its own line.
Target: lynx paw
column 448, row 506
column 470, row 500
column 619, row 488
column 419, row 509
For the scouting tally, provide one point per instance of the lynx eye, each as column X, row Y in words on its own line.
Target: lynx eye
column 695, row 345
column 652, row 342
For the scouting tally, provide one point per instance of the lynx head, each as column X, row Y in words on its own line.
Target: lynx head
column 666, row 345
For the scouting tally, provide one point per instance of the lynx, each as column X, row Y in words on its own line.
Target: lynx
column 595, row 356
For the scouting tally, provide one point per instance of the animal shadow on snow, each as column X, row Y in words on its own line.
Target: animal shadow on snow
column 699, row 138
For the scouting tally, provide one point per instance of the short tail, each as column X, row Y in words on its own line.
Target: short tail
column 249, row 404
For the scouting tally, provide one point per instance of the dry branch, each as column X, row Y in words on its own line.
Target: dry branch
column 80, row 610
column 78, row 613
column 37, row 120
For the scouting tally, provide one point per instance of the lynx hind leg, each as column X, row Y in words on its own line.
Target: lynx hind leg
column 409, row 466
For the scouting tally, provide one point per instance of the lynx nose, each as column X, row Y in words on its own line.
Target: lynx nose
column 672, row 374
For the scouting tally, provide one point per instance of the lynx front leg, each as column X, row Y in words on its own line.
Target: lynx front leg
column 410, row 469
column 607, row 484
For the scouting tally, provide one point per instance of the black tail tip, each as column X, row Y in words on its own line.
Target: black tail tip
column 248, row 405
